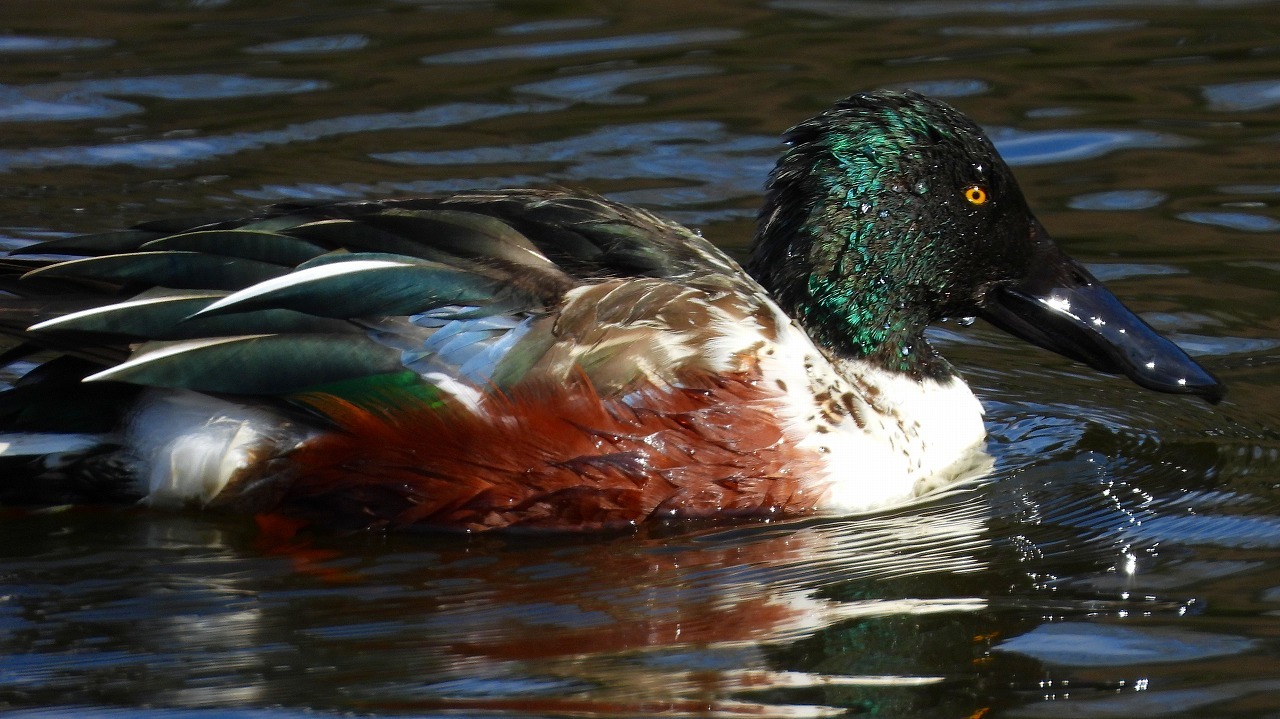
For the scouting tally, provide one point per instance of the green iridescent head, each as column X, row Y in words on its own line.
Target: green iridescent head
column 889, row 211
column 892, row 210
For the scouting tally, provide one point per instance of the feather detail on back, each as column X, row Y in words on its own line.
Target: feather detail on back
column 623, row 333
column 484, row 289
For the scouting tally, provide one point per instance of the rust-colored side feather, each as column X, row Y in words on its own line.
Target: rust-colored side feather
column 555, row 458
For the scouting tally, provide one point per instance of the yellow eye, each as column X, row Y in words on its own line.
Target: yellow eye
column 975, row 195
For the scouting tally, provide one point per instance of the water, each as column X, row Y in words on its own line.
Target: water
column 1121, row 561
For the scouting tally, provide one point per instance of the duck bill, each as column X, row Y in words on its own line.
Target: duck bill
column 1062, row 307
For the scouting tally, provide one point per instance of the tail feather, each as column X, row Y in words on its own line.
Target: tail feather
column 44, row 469
column 31, row 444
column 59, row 443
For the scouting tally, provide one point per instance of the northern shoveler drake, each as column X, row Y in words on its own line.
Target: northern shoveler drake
column 548, row 359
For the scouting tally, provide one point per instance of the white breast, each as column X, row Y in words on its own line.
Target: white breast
column 885, row 437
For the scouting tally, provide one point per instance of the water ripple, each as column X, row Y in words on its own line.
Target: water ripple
column 1242, row 221
column 1231, row 531
column 86, row 99
column 601, row 88
column 165, row 153
column 17, row 44
column 1242, row 96
column 942, row 8
column 711, row 164
column 567, row 48
column 1101, row 645
column 1207, row 346
column 1249, row 189
column 1117, row 200
column 1051, row 29
column 946, row 88
column 540, row 26
column 1112, row 271
column 39, row 104
column 308, row 45
column 1042, row 147
column 82, row 711
column 196, row 86
column 1146, row 703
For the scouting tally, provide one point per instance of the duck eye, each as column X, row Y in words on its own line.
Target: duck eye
column 975, row 194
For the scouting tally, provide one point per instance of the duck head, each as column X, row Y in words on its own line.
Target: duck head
column 893, row 210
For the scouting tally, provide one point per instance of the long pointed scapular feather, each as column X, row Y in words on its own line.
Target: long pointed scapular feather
column 260, row 245
column 105, row 243
column 355, row 286
column 359, row 237
column 278, row 223
column 168, row 317
column 254, row 364
column 466, row 234
column 181, row 270
column 140, row 316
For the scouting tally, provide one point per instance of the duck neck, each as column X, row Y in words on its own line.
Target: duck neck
column 837, row 267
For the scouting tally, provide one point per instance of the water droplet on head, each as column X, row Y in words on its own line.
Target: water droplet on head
column 966, row 321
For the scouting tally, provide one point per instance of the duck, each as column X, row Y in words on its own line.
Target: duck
column 544, row 359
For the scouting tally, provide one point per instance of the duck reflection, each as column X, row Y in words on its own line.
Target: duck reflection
column 804, row 618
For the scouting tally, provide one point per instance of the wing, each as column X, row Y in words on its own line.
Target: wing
column 454, row 296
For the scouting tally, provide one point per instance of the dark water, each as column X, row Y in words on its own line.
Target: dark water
column 1123, row 561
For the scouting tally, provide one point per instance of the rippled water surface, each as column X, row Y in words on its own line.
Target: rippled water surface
column 1122, row 561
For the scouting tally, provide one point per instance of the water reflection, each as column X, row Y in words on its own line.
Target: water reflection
column 608, row 625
